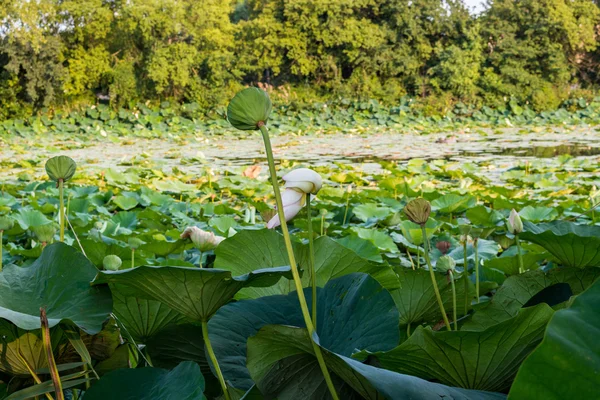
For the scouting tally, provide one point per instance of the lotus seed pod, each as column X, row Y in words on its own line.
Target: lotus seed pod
column 249, row 108
column 45, row 233
column 514, row 223
column 6, row 223
column 445, row 264
column 135, row 243
column 112, row 262
column 418, row 211
column 443, row 246
column 60, row 168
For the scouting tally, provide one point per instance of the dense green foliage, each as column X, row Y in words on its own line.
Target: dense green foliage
column 60, row 54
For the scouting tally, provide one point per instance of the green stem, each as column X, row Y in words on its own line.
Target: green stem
column 213, row 358
column 519, row 255
column 292, row 259
column 454, row 311
column 408, row 330
column 466, row 277
column 313, row 273
column 1, row 232
column 132, row 258
column 61, row 194
column 433, row 280
column 200, row 260
column 347, row 206
column 476, row 268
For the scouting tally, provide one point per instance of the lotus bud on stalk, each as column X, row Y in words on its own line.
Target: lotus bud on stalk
column 418, row 211
column 112, row 262
column 464, row 240
column 249, row 110
column 6, row 224
column 515, row 226
column 60, row 169
column 45, row 233
column 447, row 265
column 134, row 243
column 514, row 223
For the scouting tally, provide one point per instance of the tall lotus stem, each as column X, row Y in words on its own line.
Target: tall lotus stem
column 466, row 275
column 61, row 190
column 348, row 191
column 454, row 312
column 292, row 259
column 50, row 356
column 313, row 273
column 476, row 249
column 1, row 232
column 213, row 358
column 433, row 280
column 519, row 254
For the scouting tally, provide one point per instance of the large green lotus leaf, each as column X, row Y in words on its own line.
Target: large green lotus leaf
column 517, row 290
column 249, row 250
column 486, row 360
column 31, row 218
column 566, row 365
column 184, row 382
column 574, row 245
column 354, row 313
column 177, row 343
column 194, row 293
column 509, row 265
column 452, row 203
column 538, row 214
column 141, row 317
column 362, row 247
column 96, row 251
column 281, row 361
column 59, row 281
column 371, row 211
column 416, row 299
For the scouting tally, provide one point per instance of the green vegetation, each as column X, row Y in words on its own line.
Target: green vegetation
column 429, row 278
column 517, row 55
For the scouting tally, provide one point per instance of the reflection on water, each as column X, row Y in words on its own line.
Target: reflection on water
column 575, row 150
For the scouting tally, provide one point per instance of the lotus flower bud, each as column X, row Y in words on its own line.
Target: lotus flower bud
column 6, row 223
column 443, row 246
column 60, row 168
column 445, row 264
column 45, row 233
column 249, row 109
column 112, row 262
column 514, row 223
column 303, row 180
column 418, row 211
column 203, row 240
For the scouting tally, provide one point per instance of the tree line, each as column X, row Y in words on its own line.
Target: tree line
column 65, row 53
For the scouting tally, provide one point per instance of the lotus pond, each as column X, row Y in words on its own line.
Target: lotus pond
column 160, row 280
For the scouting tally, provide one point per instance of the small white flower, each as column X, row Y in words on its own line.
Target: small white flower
column 203, row 240
column 304, row 180
column 514, row 223
column 293, row 201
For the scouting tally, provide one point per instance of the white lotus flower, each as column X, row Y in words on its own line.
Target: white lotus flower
column 203, row 240
column 293, row 201
column 514, row 223
column 304, row 180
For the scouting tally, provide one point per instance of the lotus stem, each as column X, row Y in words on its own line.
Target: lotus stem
column 200, row 261
column 408, row 330
column 213, row 358
column 519, row 255
column 466, row 277
column 475, row 246
column 313, row 273
column 292, row 259
column 61, row 194
column 347, row 206
column 1, row 232
column 433, row 280
column 132, row 258
column 454, row 311
column 50, row 356
column 35, row 377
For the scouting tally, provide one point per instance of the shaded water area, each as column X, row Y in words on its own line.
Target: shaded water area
column 499, row 148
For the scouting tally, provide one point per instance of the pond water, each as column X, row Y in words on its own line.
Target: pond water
column 499, row 148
